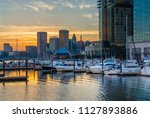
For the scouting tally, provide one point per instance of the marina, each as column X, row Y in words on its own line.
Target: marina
column 70, row 86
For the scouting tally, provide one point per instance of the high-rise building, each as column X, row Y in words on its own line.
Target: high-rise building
column 74, row 44
column 41, row 44
column 64, row 39
column 116, row 15
column 54, row 43
column 31, row 51
column 7, row 47
column 80, row 44
column 139, row 47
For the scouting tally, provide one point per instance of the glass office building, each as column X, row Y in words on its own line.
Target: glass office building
column 141, row 20
column 141, row 16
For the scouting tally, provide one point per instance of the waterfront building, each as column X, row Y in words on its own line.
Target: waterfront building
column 93, row 49
column 7, row 47
column 41, row 44
column 31, row 51
column 113, row 25
column 64, row 39
column 54, row 43
column 140, row 48
column 62, row 53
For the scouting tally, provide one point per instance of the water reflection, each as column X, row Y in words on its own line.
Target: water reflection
column 70, row 86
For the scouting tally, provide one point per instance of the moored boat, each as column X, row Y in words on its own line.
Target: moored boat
column 100, row 68
column 146, row 68
column 130, row 67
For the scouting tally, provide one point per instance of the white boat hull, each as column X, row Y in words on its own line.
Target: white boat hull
column 112, row 72
column 131, row 71
column 145, row 71
column 96, row 70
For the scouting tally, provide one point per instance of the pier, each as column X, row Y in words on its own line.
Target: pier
column 14, row 79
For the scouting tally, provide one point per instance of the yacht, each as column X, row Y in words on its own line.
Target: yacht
column 100, row 68
column 113, row 71
column 68, row 66
column 130, row 67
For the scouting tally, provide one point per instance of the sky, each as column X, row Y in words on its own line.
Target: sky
column 22, row 19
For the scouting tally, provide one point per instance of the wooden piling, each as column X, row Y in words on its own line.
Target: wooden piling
column 26, row 67
column 74, row 65
column 3, row 67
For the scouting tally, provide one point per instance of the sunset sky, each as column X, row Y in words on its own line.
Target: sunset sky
column 21, row 19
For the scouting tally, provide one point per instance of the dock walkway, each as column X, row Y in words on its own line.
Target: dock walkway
column 13, row 79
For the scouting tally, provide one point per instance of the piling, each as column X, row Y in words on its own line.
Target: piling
column 120, row 68
column 74, row 65
column 52, row 63
column 26, row 67
column 3, row 67
column 34, row 64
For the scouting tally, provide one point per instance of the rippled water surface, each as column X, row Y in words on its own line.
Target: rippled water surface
column 75, row 87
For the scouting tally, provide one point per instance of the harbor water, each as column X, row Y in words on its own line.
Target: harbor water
column 75, row 87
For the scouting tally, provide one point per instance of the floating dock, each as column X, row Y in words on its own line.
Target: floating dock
column 13, row 79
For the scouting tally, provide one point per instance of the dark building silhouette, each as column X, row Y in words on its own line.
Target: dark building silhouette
column 42, row 44
column 64, row 39
column 32, row 51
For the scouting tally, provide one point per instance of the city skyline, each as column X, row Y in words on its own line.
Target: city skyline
column 23, row 19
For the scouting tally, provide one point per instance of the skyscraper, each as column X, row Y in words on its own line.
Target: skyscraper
column 139, row 47
column 74, row 44
column 113, row 26
column 32, row 51
column 64, row 39
column 54, row 43
column 41, row 44
column 80, row 44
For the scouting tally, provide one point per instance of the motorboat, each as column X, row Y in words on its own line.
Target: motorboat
column 113, row 71
column 130, row 67
column 100, row 68
column 68, row 65
column 146, row 68
column 96, row 69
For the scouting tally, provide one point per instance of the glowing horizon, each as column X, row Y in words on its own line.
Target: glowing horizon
column 21, row 20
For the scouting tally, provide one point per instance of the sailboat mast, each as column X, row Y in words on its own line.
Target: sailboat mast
column 100, row 10
column 126, row 45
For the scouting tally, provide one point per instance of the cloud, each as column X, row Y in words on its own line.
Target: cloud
column 88, row 16
column 39, row 5
column 69, row 5
column 86, row 6
column 81, row 6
